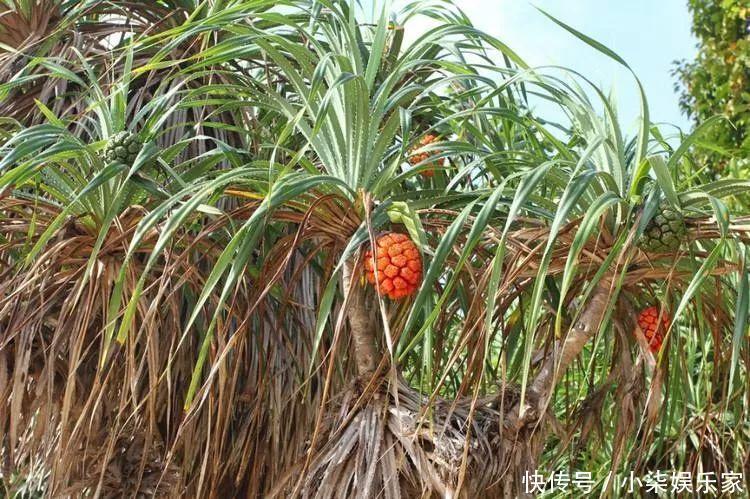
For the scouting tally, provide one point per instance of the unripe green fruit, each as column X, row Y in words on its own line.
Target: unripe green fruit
column 665, row 232
column 123, row 147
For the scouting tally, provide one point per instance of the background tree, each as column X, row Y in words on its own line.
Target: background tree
column 718, row 82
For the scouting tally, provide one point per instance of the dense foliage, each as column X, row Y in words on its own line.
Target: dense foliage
column 717, row 82
column 188, row 191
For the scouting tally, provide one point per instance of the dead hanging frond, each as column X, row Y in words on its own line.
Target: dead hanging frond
column 99, row 422
column 264, row 391
column 103, row 422
column 31, row 32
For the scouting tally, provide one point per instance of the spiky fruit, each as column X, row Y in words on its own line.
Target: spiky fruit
column 648, row 321
column 123, row 147
column 417, row 157
column 665, row 232
column 398, row 263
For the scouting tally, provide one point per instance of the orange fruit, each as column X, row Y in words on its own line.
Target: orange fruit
column 416, row 158
column 398, row 264
column 648, row 321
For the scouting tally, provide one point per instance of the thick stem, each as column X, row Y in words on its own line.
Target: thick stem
column 561, row 357
column 361, row 322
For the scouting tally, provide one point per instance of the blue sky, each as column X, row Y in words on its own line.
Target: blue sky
column 648, row 34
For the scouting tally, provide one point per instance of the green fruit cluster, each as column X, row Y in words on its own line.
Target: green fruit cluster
column 123, row 147
column 665, row 232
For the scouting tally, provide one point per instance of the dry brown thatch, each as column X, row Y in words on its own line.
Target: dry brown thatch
column 114, row 422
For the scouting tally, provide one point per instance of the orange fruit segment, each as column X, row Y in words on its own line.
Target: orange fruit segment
column 648, row 321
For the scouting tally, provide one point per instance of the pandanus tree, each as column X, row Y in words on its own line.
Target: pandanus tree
column 283, row 252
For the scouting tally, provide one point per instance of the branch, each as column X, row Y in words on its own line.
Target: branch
column 587, row 325
column 561, row 357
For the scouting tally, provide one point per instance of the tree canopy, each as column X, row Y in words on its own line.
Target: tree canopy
column 717, row 81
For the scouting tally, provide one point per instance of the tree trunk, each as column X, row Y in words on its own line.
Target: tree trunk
column 362, row 322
